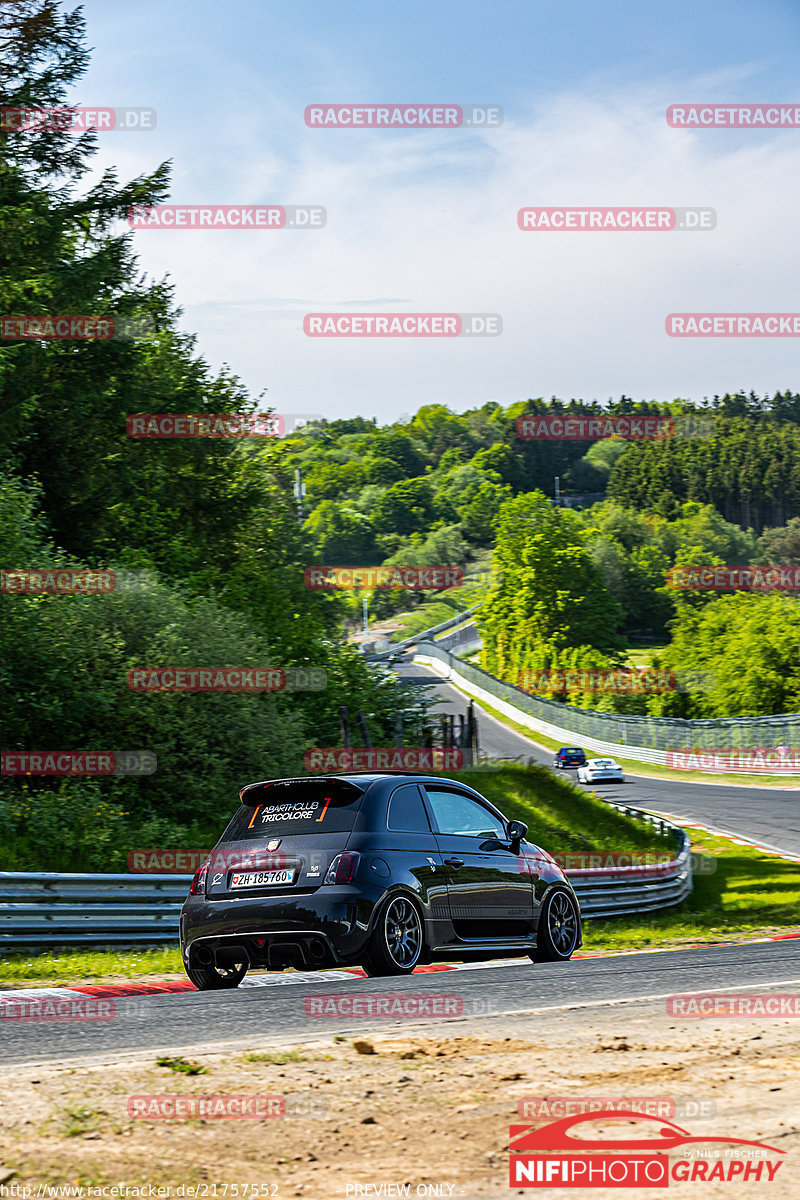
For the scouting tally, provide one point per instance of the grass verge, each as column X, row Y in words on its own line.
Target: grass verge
column 434, row 612
column 749, row 895
column 53, row 967
column 560, row 816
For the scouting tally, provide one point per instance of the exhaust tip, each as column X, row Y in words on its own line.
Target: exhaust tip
column 204, row 956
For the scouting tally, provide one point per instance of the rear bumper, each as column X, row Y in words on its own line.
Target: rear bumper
column 331, row 925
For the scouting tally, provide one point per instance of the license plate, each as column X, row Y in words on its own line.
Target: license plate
column 246, row 879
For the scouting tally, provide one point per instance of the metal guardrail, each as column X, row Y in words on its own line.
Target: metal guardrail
column 426, row 634
column 49, row 909
column 623, row 891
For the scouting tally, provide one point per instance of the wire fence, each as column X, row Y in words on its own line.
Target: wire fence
column 649, row 733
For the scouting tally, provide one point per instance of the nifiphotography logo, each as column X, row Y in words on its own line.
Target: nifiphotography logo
column 554, row 1155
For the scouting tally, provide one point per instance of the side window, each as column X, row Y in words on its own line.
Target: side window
column 460, row 814
column 406, row 811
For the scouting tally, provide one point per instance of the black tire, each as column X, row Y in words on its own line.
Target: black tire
column 397, row 942
column 559, row 926
column 212, row 979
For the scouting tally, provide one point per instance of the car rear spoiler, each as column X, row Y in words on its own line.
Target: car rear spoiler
column 253, row 793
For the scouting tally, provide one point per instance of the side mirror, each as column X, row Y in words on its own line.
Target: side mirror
column 516, row 831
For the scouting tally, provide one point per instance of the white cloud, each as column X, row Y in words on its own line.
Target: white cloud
column 431, row 217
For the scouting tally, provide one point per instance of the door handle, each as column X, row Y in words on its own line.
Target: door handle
column 454, row 862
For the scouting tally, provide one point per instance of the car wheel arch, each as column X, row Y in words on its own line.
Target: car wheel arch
column 398, row 891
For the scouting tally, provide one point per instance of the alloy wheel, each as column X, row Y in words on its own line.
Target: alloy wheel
column 403, row 932
column 562, row 923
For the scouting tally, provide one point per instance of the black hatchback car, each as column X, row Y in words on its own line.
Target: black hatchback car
column 382, row 871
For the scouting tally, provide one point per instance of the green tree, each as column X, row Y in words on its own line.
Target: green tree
column 780, row 546
column 748, row 648
column 479, row 516
column 382, row 470
column 344, row 536
column 547, row 594
column 405, row 507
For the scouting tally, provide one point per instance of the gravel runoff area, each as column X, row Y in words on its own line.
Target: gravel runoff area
column 422, row 1111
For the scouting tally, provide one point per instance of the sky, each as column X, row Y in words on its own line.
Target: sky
column 425, row 220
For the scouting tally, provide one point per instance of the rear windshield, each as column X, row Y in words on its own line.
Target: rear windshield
column 572, row 750
column 289, row 810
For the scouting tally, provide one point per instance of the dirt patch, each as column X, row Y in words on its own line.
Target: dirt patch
column 419, row 1110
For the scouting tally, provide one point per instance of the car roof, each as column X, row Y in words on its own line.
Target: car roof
column 365, row 782
column 360, row 779
column 366, row 779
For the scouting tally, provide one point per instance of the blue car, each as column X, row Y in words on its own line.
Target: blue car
column 569, row 756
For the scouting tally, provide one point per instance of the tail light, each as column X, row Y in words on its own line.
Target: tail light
column 343, row 868
column 198, row 887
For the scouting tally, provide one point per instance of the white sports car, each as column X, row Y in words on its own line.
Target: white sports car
column 601, row 770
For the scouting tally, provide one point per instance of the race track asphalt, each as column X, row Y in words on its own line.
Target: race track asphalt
column 494, row 997
column 768, row 816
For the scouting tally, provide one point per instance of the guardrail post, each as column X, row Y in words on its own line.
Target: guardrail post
column 344, row 721
column 362, row 724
